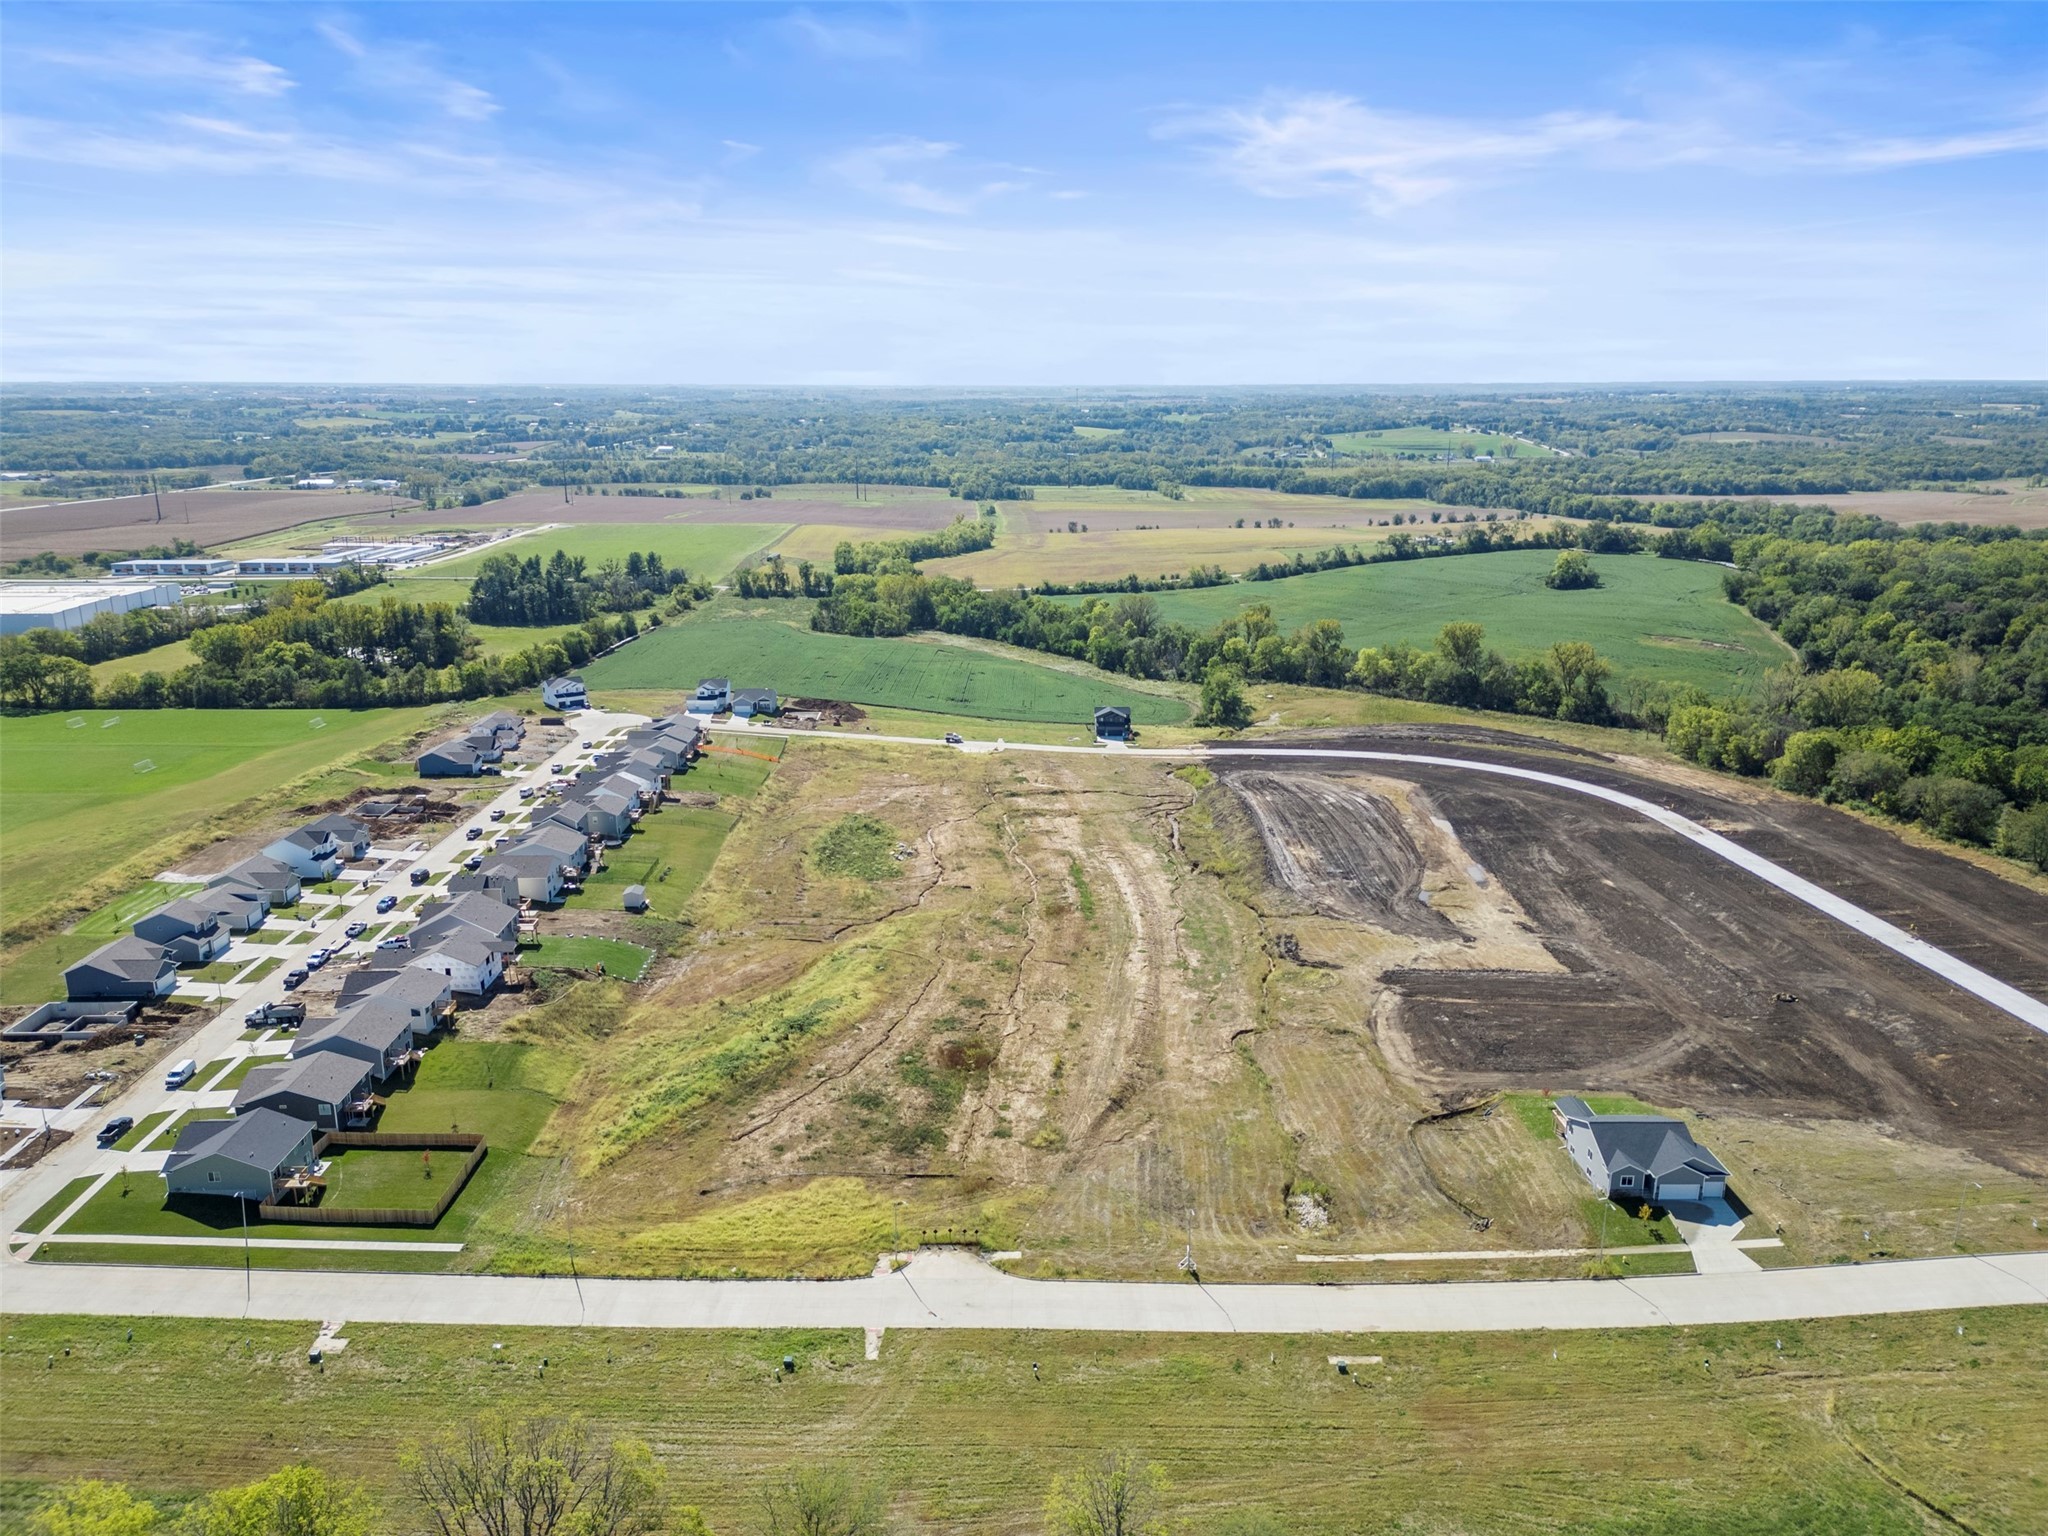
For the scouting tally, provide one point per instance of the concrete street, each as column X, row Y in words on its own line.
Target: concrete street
column 948, row 1289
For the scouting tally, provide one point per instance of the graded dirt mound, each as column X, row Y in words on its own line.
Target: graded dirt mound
column 1339, row 847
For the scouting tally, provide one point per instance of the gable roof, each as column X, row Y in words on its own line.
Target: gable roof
column 457, row 751
column 340, row 826
column 261, row 1138
column 309, row 836
column 375, row 1031
column 326, row 1076
column 1658, row 1145
column 137, row 959
column 462, row 949
column 193, row 914
column 262, row 870
column 410, row 987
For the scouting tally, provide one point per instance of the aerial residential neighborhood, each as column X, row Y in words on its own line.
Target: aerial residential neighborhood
column 850, row 769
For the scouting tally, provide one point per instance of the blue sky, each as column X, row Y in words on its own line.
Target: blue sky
column 944, row 195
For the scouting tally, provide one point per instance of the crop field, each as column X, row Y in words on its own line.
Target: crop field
column 1849, row 1426
column 1026, row 558
column 1105, row 508
column 2014, row 503
column 86, row 795
column 1658, row 619
column 210, row 517
column 1399, row 440
column 905, row 673
column 706, row 550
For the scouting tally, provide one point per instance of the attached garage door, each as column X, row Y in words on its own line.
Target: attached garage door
column 1668, row 1190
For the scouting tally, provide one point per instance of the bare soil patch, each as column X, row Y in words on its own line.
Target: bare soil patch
column 206, row 517
column 1687, row 981
column 2019, row 507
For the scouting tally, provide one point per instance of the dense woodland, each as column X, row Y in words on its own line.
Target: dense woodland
column 993, row 445
column 563, row 590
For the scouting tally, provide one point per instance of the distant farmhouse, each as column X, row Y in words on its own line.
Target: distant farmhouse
column 1652, row 1158
column 1113, row 723
column 564, row 693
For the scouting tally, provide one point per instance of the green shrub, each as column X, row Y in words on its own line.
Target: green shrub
column 859, row 847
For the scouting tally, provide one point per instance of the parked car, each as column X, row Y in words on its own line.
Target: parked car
column 526, row 792
column 473, row 863
column 421, row 876
column 474, row 833
column 555, row 769
column 387, row 903
column 115, row 1129
column 316, row 959
column 955, row 739
column 279, row 1015
column 396, row 941
column 295, row 978
column 498, row 814
column 182, row 1073
column 357, row 930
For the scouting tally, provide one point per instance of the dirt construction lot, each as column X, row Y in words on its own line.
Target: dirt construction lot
column 1680, row 978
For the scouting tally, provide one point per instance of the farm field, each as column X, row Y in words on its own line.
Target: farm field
column 706, row 550
column 1545, row 1432
column 2022, row 506
column 76, row 810
column 1659, row 619
column 1429, row 440
column 1025, row 559
column 906, row 673
column 210, row 517
column 1104, row 508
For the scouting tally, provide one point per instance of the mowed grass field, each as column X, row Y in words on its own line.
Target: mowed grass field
column 85, row 795
column 1861, row 1425
column 706, row 550
column 1397, row 440
column 907, row 673
column 1658, row 619
column 1028, row 557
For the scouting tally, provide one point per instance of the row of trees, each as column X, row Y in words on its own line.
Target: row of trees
column 564, row 590
column 503, row 1476
column 307, row 652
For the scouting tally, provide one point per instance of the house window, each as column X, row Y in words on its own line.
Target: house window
column 212, row 1176
column 1628, row 1181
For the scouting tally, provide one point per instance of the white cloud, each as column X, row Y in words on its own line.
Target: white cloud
column 186, row 61
column 407, row 69
column 844, row 39
column 1303, row 145
column 881, row 170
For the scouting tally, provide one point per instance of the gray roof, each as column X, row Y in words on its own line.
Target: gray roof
column 1657, row 1144
column 462, row 949
column 309, row 836
column 325, row 1076
column 340, row 826
column 483, row 911
column 374, row 1031
column 556, row 836
column 263, row 870
column 412, row 987
column 262, row 1138
column 753, row 696
column 129, row 956
column 500, row 720
column 519, row 862
column 193, row 914
column 609, row 801
column 457, row 751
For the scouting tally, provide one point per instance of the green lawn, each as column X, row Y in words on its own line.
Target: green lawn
column 706, row 550
column 501, row 1089
column 261, row 969
column 92, row 796
column 1659, row 619
column 620, row 959
column 167, row 659
column 369, row 1177
column 145, row 1128
column 1860, row 1425
column 670, row 854
column 121, row 914
column 47, row 1212
column 909, row 673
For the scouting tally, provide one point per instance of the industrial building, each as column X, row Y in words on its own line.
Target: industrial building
column 26, row 605
column 204, row 567
column 296, row 565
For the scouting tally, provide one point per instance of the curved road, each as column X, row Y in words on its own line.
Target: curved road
column 951, row 1290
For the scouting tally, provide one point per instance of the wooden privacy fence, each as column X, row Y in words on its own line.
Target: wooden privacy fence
column 387, row 1215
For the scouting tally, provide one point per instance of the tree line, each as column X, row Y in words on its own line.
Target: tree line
column 498, row 1475
column 564, row 590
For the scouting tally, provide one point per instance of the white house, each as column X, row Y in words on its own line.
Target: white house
column 308, row 853
column 564, row 693
column 470, row 965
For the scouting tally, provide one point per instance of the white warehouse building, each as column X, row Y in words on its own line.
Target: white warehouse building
column 26, row 605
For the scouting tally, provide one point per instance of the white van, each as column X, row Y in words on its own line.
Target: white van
column 182, row 1073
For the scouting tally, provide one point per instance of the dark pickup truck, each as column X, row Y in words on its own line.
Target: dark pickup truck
column 277, row 1015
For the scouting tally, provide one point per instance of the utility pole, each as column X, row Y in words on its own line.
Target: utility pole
column 1187, row 1258
column 158, row 498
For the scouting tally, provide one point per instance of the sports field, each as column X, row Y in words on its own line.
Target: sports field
column 908, row 673
column 84, row 795
column 1660, row 619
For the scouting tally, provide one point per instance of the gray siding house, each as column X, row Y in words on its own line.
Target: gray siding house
column 373, row 1037
column 351, row 837
column 450, row 760
column 422, row 997
column 128, row 967
column 524, row 875
column 328, row 1089
column 248, row 1156
column 1652, row 1158
column 278, row 882
column 187, row 928
column 309, row 854
column 748, row 702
